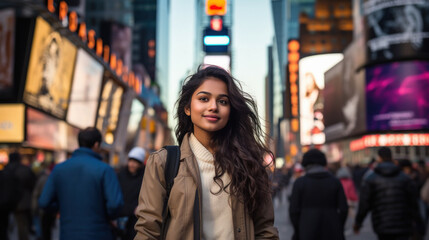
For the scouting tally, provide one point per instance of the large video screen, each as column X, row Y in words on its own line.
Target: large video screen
column 7, row 48
column 85, row 91
column 119, row 38
column 50, row 70
column 12, row 118
column 396, row 29
column 344, row 95
column 397, row 96
column 47, row 132
column 110, row 105
column 137, row 109
column 311, row 83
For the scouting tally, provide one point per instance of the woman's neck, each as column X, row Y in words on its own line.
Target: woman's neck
column 205, row 140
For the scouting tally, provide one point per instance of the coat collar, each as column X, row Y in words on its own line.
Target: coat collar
column 86, row 151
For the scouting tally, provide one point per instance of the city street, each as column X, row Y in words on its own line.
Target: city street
column 285, row 228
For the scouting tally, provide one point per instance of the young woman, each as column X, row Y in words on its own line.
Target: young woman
column 222, row 176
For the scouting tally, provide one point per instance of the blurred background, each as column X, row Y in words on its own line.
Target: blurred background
column 345, row 76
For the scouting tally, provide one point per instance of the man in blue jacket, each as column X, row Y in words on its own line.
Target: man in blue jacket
column 85, row 190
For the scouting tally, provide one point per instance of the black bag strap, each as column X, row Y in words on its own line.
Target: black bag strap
column 170, row 172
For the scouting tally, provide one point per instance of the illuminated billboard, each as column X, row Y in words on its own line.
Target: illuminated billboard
column 47, row 132
column 216, row 41
column 50, row 70
column 311, row 83
column 12, row 123
column 396, row 29
column 85, row 91
column 223, row 61
column 397, row 96
column 110, row 105
column 216, row 7
column 7, row 48
column 136, row 114
column 344, row 96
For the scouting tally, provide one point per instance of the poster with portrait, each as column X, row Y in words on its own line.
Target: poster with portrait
column 85, row 90
column 311, row 83
column 110, row 105
column 397, row 96
column 396, row 29
column 50, row 70
column 7, row 48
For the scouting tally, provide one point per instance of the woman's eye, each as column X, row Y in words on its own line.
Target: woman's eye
column 204, row 99
column 223, row 102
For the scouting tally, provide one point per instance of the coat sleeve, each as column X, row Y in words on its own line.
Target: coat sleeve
column 112, row 193
column 295, row 204
column 48, row 198
column 264, row 221
column 151, row 198
column 364, row 202
column 343, row 207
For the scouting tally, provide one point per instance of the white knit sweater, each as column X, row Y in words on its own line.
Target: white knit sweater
column 216, row 210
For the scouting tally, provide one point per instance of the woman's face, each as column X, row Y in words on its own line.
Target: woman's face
column 210, row 107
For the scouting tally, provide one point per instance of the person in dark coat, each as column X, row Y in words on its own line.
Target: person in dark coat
column 391, row 196
column 26, row 180
column 86, row 190
column 130, row 178
column 318, row 206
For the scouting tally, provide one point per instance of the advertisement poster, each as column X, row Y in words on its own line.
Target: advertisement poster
column 137, row 109
column 110, row 105
column 311, row 84
column 344, row 95
column 85, row 91
column 50, row 70
column 12, row 118
column 7, row 48
column 396, row 29
column 397, row 96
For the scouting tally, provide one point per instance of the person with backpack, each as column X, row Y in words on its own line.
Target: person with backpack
column 222, row 189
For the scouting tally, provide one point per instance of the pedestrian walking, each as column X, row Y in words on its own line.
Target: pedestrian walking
column 391, row 197
column 85, row 190
column 349, row 188
column 222, row 189
column 130, row 178
column 318, row 205
column 25, row 184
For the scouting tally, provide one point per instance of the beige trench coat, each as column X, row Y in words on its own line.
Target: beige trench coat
column 181, row 201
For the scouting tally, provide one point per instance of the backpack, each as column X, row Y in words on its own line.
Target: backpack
column 170, row 172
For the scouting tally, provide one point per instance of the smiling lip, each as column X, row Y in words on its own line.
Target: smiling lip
column 211, row 118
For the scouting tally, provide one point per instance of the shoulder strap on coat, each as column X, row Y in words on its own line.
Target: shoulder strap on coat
column 170, row 172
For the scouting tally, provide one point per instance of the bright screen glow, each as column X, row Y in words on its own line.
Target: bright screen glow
column 311, row 83
column 221, row 40
column 222, row 61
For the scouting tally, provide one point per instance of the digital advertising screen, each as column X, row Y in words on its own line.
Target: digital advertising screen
column 46, row 132
column 7, row 48
column 137, row 109
column 311, row 84
column 12, row 119
column 110, row 105
column 119, row 38
column 50, row 70
column 85, row 93
column 344, row 96
column 397, row 96
column 396, row 29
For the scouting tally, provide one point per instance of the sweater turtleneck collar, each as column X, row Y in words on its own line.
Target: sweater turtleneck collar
column 199, row 150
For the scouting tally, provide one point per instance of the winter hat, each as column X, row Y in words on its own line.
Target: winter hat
column 314, row 156
column 138, row 154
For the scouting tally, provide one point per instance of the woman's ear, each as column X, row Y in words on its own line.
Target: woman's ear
column 188, row 111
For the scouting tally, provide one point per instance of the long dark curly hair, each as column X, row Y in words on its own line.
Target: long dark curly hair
column 239, row 147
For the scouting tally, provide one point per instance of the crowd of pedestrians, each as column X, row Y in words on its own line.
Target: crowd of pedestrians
column 219, row 185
